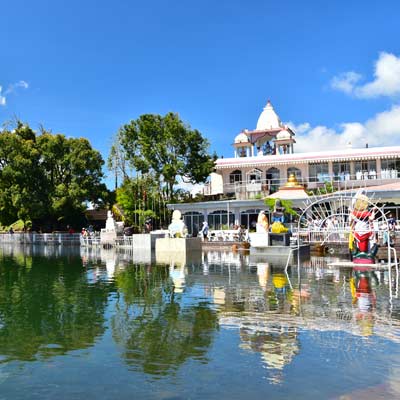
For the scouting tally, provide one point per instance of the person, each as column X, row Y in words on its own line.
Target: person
column 11, row 231
column 391, row 228
column 204, row 230
column 147, row 225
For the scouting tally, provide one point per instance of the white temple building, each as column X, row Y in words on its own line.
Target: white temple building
column 265, row 157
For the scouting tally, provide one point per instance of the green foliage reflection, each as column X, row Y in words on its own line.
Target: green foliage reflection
column 47, row 307
column 156, row 330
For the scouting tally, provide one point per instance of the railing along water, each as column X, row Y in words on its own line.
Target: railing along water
column 41, row 238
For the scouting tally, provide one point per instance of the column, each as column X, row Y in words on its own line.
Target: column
column 236, row 211
column 378, row 168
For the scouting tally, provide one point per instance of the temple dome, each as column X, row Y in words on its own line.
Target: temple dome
column 242, row 138
column 283, row 135
column 268, row 119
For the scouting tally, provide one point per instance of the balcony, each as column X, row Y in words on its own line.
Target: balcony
column 261, row 188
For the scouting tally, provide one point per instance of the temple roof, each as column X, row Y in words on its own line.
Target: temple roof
column 268, row 119
column 242, row 138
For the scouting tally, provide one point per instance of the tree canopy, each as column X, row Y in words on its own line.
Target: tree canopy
column 167, row 148
column 47, row 177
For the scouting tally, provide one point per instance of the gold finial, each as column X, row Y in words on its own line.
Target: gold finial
column 292, row 182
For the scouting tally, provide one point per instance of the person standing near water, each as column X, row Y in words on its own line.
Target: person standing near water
column 204, row 230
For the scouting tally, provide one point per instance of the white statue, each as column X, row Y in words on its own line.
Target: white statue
column 177, row 227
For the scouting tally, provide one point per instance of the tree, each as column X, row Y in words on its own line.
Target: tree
column 142, row 198
column 166, row 148
column 47, row 178
column 22, row 181
column 73, row 171
column 286, row 204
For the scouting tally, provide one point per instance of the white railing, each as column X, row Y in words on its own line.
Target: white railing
column 337, row 236
column 244, row 189
column 41, row 238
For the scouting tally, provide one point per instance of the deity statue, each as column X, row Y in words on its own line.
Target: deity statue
column 262, row 223
column 362, row 242
column 177, row 227
column 278, row 218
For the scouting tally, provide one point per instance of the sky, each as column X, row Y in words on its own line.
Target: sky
column 84, row 68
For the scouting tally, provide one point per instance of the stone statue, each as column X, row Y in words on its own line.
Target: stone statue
column 177, row 227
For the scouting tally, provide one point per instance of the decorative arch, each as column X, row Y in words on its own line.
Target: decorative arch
column 254, row 176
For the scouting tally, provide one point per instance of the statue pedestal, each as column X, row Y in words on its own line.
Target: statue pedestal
column 146, row 241
column 279, row 239
column 177, row 245
column 259, row 239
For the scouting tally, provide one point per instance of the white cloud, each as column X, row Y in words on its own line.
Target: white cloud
column 189, row 187
column 14, row 86
column 381, row 130
column 2, row 98
column 299, row 128
column 345, row 82
column 386, row 79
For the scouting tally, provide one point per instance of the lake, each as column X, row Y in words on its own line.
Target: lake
column 99, row 324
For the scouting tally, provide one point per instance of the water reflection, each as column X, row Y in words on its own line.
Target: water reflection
column 46, row 305
column 156, row 331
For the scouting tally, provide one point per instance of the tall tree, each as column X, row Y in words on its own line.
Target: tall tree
column 47, row 177
column 167, row 148
column 22, row 181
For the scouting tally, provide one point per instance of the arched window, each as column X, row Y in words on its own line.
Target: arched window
column 295, row 171
column 219, row 219
column 235, row 176
column 193, row 221
column 248, row 218
column 254, row 176
column 273, row 176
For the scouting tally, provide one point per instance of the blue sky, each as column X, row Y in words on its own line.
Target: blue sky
column 84, row 68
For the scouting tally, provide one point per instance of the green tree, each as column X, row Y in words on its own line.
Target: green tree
column 22, row 180
column 287, row 204
column 73, row 171
column 167, row 148
column 47, row 177
column 141, row 198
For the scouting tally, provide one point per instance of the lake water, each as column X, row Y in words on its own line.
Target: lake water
column 76, row 324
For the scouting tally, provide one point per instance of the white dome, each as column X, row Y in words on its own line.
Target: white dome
column 241, row 138
column 268, row 118
column 283, row 135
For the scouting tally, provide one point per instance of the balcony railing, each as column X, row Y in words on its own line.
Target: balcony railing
column 244, row 190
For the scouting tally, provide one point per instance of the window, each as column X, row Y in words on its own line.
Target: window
column 219, row 219
column 365, row 169
column 193, row 221
column 235, row 176
column 390, row 168
column 295, row 171
column 319, row 172
column 341, row 171
column 248, row 218
column 273, row 179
